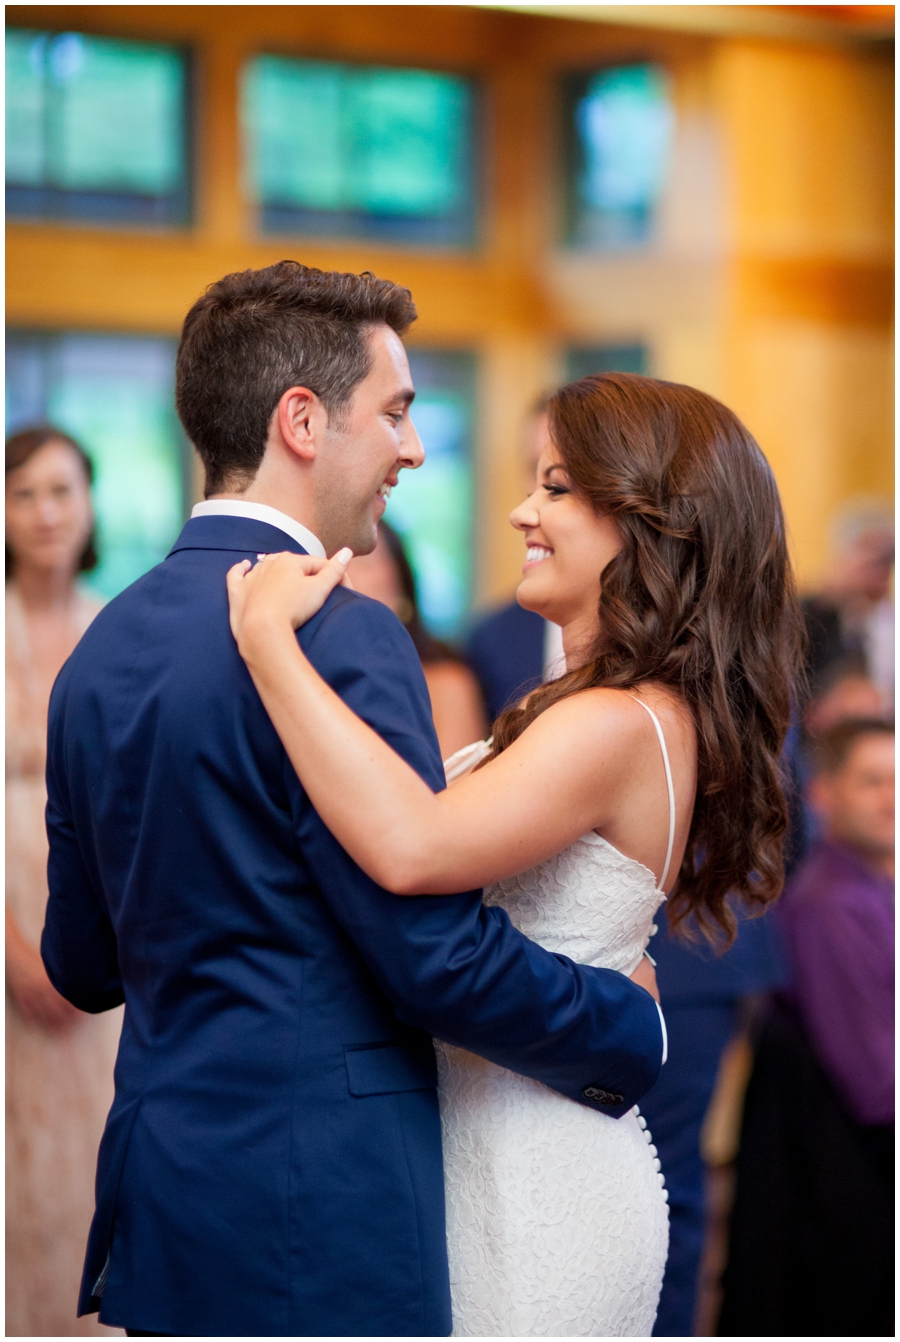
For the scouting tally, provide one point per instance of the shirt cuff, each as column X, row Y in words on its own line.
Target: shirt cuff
column 662, row 1024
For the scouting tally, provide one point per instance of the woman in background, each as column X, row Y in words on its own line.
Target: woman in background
column 456, row 703
column 59, row 1061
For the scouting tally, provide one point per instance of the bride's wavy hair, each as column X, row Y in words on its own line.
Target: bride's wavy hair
column 701, row 598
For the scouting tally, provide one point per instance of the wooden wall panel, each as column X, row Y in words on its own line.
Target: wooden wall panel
column 808, row 330
column 767, row 282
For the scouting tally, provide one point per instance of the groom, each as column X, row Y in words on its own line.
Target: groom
column 271, row 1164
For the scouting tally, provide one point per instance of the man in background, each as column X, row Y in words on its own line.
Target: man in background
column 811, row 1250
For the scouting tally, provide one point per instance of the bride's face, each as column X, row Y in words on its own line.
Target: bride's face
column 568, row 545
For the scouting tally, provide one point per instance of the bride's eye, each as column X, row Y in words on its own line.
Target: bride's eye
column 556, row 490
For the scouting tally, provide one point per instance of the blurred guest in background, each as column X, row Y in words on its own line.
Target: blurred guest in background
column 59, row 1062
column 456, row 704
column 842, row 693
column 850, row 621
column 811, row 1250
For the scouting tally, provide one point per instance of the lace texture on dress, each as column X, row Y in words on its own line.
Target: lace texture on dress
column 557, row 1222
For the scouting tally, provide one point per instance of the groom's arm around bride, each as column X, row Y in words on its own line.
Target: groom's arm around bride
column 272, row 1161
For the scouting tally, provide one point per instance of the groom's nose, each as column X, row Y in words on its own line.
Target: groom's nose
column 412, row 453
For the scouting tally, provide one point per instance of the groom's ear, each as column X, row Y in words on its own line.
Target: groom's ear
column 300, row 419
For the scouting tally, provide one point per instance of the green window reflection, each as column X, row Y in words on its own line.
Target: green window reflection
column 96, row 128
column 114, row 394
column 620, row 123
column 431, row 507
column 359, row 150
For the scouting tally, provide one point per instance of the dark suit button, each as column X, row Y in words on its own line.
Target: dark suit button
column 601, row 1096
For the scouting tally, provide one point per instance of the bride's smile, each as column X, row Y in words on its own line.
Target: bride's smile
column 568, row 545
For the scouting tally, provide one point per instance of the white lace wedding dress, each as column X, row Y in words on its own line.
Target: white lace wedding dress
column 557, row 1224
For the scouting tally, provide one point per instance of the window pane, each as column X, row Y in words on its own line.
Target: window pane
column 24, row 108
column 432, row 507
column 359, row 150
column 620, row 125
column 119, row 111
column 406, row 133
column 582, row 360
column 97, row 128
column 114, row 394
column 293, row 124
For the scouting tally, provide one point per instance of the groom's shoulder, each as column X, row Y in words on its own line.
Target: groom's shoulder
column 364, row 653
column 350, row 624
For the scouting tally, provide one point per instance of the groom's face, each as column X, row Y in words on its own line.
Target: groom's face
column 365, row 449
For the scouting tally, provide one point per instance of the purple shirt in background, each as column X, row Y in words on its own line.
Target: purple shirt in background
column 838, row 921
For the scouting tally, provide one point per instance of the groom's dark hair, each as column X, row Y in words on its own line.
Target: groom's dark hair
column 256, row 333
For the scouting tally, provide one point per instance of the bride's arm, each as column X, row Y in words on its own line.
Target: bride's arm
column 550, row 786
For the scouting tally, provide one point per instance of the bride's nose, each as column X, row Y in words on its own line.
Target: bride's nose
column 526, row 516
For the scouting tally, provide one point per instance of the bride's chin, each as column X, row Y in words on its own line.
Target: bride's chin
column 528, row 599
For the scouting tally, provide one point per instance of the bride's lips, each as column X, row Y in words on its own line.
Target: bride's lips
column 534, row 555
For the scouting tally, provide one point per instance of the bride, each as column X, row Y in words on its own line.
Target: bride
column 655, row 538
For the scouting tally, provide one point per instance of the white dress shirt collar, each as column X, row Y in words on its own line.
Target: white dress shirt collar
column 261, row 512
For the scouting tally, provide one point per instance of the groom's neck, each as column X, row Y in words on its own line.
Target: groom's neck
column 278, row 489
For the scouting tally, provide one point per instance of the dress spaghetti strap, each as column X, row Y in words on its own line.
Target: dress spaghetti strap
column 669, row 785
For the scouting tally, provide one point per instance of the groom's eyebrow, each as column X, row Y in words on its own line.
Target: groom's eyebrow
column 404, row 397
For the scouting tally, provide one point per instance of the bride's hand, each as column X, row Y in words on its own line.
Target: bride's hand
column 645, row 977
column 280, row 590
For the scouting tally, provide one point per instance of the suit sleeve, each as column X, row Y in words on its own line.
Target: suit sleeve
column 449, row 964
column 78, row 945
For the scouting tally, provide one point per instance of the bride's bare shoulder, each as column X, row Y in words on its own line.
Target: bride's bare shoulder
column 601, row 717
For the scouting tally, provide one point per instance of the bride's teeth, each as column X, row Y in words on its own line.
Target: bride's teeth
column 535, row 552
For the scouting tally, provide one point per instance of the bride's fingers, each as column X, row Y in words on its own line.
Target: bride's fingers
column 295, row 585
column 236, row 572
column 292, row 566
column 286, row 559
column 331, row 574
column 234, row 577
column 233, row 580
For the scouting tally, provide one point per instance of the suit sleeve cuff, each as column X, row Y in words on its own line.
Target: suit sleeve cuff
column 665, row 1037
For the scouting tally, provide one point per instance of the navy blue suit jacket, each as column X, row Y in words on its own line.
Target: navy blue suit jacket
column 272, row 1160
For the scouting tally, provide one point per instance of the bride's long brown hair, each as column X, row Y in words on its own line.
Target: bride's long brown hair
column 700, row 598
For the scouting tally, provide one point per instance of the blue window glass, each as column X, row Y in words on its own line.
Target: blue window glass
column 431, row 507
column 115, row 395
column 620, row 124
column 359, row 150
column 96, row 129
column 581, row 360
